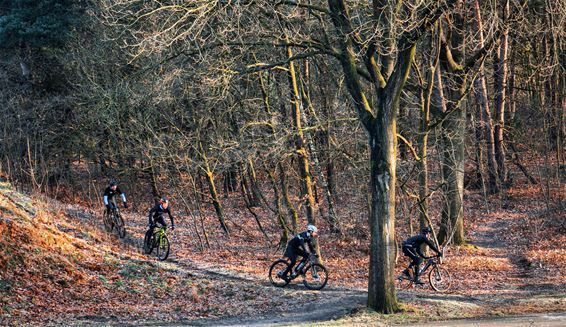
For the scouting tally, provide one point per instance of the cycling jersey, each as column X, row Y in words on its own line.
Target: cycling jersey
column 298, row 242
column 156, row 215
column 416, row 241
column 109, row 194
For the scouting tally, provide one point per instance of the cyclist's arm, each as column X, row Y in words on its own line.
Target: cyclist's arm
column 105, row 196
column 171, row 218
column 122, row 195
column 151, row 212
column 431, row 245
column 311, row 247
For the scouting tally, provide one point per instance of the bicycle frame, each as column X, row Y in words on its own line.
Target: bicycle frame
column 430, row 263
column 158, row 235
column 114, row 212
column 307, row 263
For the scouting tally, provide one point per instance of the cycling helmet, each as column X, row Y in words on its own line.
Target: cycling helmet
column 426, row 230
column 164, row 200
column 312, row 229
column 113, row 183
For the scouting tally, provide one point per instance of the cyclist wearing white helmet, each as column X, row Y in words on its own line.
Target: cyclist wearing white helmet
column 296, row 247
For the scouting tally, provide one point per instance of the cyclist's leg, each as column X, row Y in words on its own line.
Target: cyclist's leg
column 415, row 259
column 304, row 255
column 149, row 234
column 292, row 258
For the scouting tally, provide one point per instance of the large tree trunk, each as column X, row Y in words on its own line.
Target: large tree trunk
column 388, row 82
column 452, row 168
column 453, row 132
column 453, row 173
column 381, row 285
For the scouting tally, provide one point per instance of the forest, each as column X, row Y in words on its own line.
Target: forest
column 370, row 120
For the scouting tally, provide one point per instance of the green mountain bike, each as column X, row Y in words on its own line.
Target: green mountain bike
column 113, row 221
column 157, row 240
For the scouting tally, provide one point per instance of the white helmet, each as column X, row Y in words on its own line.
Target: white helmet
column 312, row 228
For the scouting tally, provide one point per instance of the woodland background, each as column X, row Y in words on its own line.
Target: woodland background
column 256, row 117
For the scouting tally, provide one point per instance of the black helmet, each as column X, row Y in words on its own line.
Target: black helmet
column 164, row 200
column 113, row 183
column 426, row 230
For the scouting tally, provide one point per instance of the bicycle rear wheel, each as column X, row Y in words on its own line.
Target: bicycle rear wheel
column 120, row 225
column 404, row 282
column 440, row 279
column 276, row 271
column 315, row 277
column 163, row 248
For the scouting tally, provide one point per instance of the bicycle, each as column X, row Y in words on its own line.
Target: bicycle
column 439, row 278
column 113, row 219
column 158, row 239
column 315, row 275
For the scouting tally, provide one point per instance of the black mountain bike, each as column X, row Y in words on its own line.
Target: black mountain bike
column 315, row 275
column 157, row 240
column 439, row 277
column 113, row 220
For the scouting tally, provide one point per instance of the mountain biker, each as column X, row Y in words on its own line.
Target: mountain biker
column 156, row 215
column 412, row 249
column 109, row 193
column 296, row 247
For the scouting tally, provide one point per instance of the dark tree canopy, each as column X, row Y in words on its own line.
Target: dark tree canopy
column 37, row 23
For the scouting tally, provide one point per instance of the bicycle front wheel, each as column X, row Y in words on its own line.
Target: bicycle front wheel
column 120, row 225
column 148, row 242
column 108, row 224
column 276, row 272
column 163, row 248
column 316, row 277
column 440, row 279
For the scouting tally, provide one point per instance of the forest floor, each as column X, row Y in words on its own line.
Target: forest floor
column 58, row 267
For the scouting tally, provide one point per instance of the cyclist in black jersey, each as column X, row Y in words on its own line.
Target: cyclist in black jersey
column 296, row 247
column 412, row 249
column 109, row 193
column 156, row 215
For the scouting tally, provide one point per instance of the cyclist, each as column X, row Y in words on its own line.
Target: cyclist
column 296, row 247
column 156, row 215
column 109, row 193
column 412, row 249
